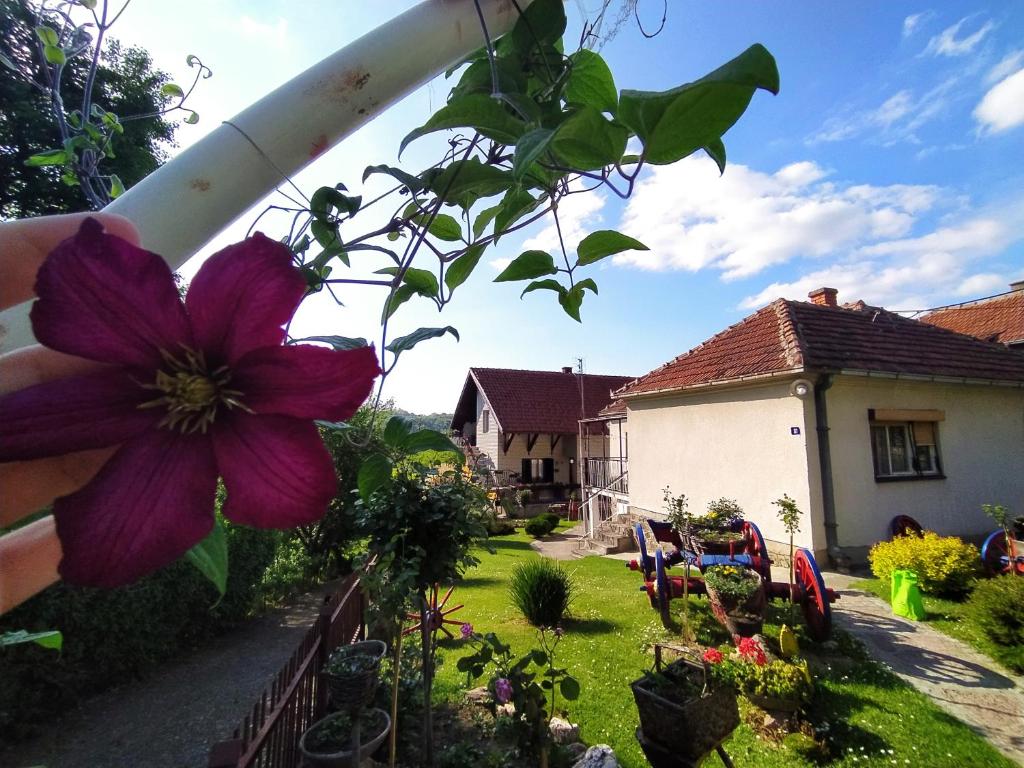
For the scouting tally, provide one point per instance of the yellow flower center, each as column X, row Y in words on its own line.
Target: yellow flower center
column 191, row 393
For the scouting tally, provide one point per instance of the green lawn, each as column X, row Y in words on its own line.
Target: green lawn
column 872, row 717
column 948, row 616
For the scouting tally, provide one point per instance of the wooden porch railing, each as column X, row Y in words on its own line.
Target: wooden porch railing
column 268, row 737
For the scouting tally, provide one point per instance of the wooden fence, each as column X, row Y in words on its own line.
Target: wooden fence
column 268, row 737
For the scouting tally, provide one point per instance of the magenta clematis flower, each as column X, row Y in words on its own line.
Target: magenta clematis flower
column 190, row 392
column 502, row 690
column 466, row 630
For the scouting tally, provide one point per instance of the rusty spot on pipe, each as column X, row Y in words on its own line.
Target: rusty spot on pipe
column 200, row 185
column 319, row 145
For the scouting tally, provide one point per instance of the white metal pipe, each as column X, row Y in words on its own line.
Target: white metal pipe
column 182, row 205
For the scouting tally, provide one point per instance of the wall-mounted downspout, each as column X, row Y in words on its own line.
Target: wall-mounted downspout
column 828, row 499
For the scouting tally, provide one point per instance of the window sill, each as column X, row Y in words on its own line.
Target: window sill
column 907, row 478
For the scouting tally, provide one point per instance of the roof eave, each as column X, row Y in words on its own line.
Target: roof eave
column 734, row 381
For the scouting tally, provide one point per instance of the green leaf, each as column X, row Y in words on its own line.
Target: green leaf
column 423, row 281
column 210, row 557
column 405, row 343
column 337, row 342
column 325, row 234
column 192, row 118
column 484, row 218
column 528, row 265
column 530, row 147
column 589, row 284
column 588, row 141
column 444, row 227
column 460, row 269
column 477, row 77
column 605, row 242
column 465, row 181
column 673, row 124
column 326, row 200
column 591, row 82
column 90, row 4
column 414, row 184
column 569, row 687
column 47, row 35
column 401, row 295
column 9, row 64
column 571, row 300
column 49, row 157
column 51, row 639
column 543, row 285
column 516, row 204
column 116, row 186
column 173, row 90
column 430, row 440
column 539, row 657
column 542, row 23
column 716, row 151
column 374, row 473
column 476, row 110
column 54, row 55
column 396, row 431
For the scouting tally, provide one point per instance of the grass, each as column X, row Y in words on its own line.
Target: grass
column 869, row 715
column 947, row 616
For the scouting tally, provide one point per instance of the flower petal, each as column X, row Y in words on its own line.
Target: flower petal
column 75, row 414
column 306, row 382
column 146, row 508
column 102, row 298
column 277, row 472
column 242, row 296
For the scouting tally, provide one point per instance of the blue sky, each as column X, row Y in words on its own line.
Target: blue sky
column 889, row 167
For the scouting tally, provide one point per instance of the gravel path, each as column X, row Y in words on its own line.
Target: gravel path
column 960, row 680
column 172, row 718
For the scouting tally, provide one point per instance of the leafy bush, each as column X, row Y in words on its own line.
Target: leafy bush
column 540, row 526
column 732, row 582
column 997, row 607
column 944, row 564
column 542, row 590
column 554, row 517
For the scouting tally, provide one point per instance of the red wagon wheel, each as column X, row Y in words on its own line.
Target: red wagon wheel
column 997, row 558
column 757, row 548
column 436, row 616
column 817, row 610
column 664, row 589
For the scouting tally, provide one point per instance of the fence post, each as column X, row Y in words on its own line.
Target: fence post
column 323, row 624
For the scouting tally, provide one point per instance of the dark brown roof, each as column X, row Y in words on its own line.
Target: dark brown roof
column 997, row 319
column 794, row 336
column 536, row 401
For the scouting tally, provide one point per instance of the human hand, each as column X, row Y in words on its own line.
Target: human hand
column 30, row 555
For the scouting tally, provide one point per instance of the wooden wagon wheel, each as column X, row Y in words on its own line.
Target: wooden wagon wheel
column 757, row 548
column 904, row 525
column 996, row 557
column 436, row 616
column 817, row 610
column 664, row 593
column 646, row 562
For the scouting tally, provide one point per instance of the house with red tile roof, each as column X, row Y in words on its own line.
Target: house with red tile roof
column 522, row 427
column 997, row 318
column 857, row 413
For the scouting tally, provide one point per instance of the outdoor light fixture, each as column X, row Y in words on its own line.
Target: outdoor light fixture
column 800, row 388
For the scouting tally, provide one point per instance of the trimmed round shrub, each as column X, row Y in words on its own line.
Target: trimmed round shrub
column 944, row 565
column 540, row 526
column 554, row 517
column 542, row 590
column 997, row 608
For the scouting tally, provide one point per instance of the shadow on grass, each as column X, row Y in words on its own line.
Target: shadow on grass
column 500, row 545
column 589, row 626
column 478, row 581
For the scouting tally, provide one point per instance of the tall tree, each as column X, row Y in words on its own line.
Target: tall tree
column 126, row 84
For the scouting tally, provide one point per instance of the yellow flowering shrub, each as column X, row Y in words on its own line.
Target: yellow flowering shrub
column 944, row 564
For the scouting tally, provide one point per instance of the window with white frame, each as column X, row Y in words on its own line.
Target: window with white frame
column 905, row 447
column 485, row 421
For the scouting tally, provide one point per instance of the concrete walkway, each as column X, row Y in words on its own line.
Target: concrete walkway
column 559, row 546
column 960, row 680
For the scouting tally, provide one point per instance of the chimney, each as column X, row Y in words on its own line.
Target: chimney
column 823, row 297
column 1017, row 286
column 566, row 369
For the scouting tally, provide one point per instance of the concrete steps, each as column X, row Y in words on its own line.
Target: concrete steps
column 612, row 536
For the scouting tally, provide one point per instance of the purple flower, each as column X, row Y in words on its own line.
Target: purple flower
column 502, row 690
column 190, row 392
column 466, row 630
column 559, row 631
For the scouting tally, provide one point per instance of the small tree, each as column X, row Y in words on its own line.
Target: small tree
column 678, row 514
column 790, row 515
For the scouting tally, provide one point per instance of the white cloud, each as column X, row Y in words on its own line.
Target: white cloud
column 894, row 108
column 746, row 220
column 946, row 42
column 984, row 283
column 1002, row 108
column 1009, row 64
column 274, row 34
column 912, row 22
column 500, row 263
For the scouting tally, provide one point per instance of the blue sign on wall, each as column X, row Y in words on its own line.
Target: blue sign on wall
column 794, row 430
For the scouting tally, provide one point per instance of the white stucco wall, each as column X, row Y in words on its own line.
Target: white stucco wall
column 981, row 447
column 487, row 442
column 735, row 442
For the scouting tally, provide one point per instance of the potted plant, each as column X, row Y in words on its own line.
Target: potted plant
column 776, row 685
column 352, row 673
column 737, row 598
column 334, row 741
column 683, row 708
column 719, row 528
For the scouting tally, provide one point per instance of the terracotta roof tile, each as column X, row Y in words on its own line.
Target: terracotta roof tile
column 537, row 401
column 798, row 336
column 998, row 319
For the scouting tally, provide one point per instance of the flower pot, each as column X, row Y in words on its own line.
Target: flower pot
column 368, row 744
column 744, row 618
column 689, row 727
column 354, row 690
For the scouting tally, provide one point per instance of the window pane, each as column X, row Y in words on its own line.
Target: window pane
column 881, row 451
column 899, row 451
column 926, row 458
